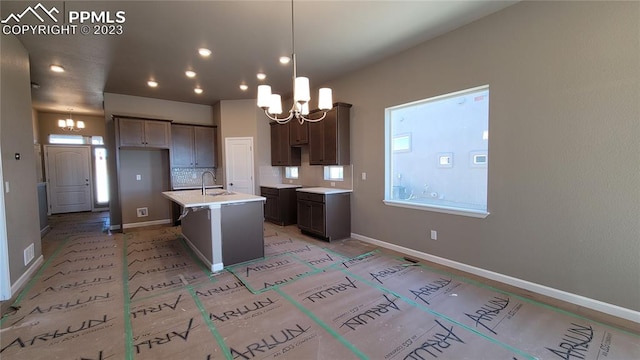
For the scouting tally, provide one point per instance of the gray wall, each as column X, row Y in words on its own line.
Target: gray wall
column 564, row 181
column 117, row 104
column 153, row 168
column 21, row 202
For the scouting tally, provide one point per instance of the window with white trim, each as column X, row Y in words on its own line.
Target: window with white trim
column 334, row 173
column 437, row 153
column 291, row 172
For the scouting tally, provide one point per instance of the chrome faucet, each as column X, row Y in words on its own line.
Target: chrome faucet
column 213, row 176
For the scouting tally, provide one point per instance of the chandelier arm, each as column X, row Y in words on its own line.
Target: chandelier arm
column 276, row 119
column 313, row 120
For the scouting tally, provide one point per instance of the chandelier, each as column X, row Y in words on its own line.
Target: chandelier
column 272, row 103
column 70, row 125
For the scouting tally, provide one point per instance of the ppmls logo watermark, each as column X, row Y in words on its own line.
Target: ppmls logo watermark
column 38, row 20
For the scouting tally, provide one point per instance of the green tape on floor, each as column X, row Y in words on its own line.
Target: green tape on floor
column 519, row 297
column 212, row 327
column 326, row 327
column 432, row 312
column 36, row 277
column 128, row 330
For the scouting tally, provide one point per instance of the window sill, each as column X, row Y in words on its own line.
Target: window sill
column 441, row 209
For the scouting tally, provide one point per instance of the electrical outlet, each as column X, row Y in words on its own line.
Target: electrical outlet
column 142, row 212
column 138, row 177
column 364, row 176
column 333, row 183
column 28, row 254
column 434, row 235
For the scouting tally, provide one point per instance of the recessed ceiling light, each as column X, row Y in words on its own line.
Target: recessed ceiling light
column 261, row 76
column 198, row 90
column 152, row 83
column 56, row 68
column 243, row 87
column 190, row 73
column 204, row 52
column 284, row 59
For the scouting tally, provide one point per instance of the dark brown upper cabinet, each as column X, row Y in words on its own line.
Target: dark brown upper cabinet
column 282, row 154
column 133, row 132
column 298, row 133
column 329, row 139
column 193, row 146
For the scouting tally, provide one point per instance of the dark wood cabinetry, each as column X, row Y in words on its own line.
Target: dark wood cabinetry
column 282, row 153
column 298, row 133
column 329, row 139
column 280, row 206
column 325, row 215
column 193, row 146
column 133, row 132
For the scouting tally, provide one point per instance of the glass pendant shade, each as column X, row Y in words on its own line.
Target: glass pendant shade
column 276, row 104
column 301, row 90
column 325, row 101
column 264, row 96
column 70, row 123
column 62, row 123
column 80, row 124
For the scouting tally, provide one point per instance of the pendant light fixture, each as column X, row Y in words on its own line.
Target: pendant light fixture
column 70, row 125
column 272, row 103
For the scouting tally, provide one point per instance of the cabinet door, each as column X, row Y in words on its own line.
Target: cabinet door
column 282, row 154
column 157, row 133
column 272, row 208
column 182, row 145
column 329, row 138
column 131, row 132
column 304, row 215
column 318, row 218
column 298, row 134
column 204, row 146
column 316, row 143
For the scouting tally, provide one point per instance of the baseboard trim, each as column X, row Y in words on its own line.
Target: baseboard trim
column 214, row 267
column 44, row 231
column 114, row 227
column 22, row 280
column 579, row 300
column 146, row 223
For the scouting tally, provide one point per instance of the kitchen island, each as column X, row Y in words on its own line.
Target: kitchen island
column 223, row 228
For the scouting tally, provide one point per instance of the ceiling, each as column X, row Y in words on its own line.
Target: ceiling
column 160, row 39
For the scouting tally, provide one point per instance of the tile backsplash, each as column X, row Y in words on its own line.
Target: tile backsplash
column 190, row 177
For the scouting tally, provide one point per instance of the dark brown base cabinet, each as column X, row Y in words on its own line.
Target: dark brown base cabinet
column 280, row 206
column 327, row 216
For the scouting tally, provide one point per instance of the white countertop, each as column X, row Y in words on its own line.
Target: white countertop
column 281, row 186
column 193, row 187
column 323, row 190
column 194, row 198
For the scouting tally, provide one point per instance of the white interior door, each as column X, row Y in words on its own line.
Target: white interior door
column 239, row 165
column 68, row 170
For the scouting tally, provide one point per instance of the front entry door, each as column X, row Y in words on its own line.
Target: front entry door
column 69, row 178
column 239, row 165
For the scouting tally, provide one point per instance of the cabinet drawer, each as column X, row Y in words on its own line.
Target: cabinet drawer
column 310, row 197
column 268, row 191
